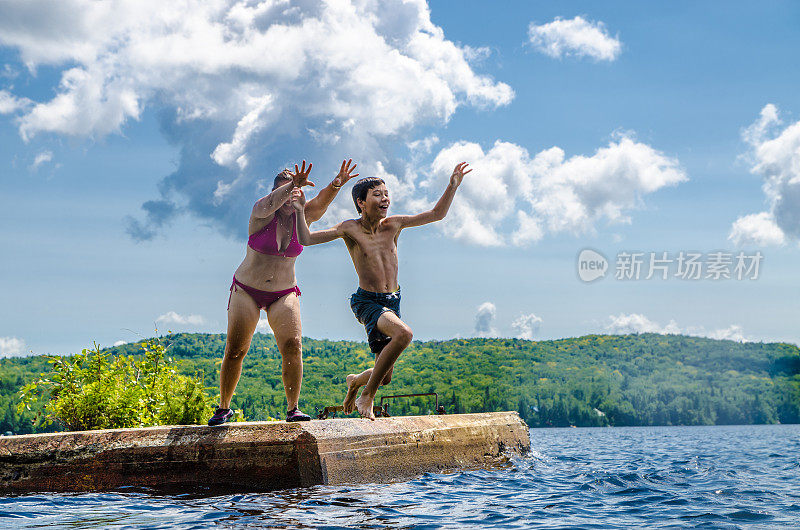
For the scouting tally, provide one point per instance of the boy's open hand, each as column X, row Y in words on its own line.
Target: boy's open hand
column 458, row 173
column 298, row 199
column 344, row 173
column 300, row 175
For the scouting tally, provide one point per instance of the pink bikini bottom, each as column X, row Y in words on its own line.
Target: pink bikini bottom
column 264, row 299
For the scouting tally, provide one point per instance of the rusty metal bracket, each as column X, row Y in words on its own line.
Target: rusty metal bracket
column 385, row 408
column 381, row 411
column 330, row 412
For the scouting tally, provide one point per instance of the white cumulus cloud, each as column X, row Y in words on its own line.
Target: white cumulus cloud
column 171, row 317
column 244, row 88
column 42, row 158
column 575, row 37
column 12, row 347
column 733, row 332
column 775, row 156
column 10, row 103
column 484, row 320
column 755, row 230
column 638, row 323
column 512, row 192
column 526, row 326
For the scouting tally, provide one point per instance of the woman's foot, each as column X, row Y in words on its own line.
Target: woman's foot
column 296, row 415
column 221, row 416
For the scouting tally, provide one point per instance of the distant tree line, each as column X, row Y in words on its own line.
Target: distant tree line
column 595, row 380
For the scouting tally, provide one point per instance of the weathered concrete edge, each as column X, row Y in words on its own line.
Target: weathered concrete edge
column 258, row 455
column 399, row 448
column 250, row 456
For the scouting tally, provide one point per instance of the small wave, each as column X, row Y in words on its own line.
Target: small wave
column 747, row 515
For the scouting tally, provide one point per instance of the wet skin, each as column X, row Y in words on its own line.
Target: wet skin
column 372, row 243
column 273, row 273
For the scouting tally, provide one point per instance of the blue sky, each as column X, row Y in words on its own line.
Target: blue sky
column 645, row 149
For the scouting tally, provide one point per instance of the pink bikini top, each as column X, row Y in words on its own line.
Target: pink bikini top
column 265, row 240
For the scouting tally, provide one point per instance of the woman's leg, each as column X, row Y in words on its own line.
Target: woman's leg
column 243, row 316
column 284, row 319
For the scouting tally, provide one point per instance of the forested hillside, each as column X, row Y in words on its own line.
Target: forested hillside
column 595, row 380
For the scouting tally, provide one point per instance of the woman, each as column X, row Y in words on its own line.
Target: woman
column 265, row 280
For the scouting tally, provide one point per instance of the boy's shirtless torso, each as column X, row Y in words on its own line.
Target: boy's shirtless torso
column 374, row 253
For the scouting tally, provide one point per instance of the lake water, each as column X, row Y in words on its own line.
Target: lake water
column 716, row 477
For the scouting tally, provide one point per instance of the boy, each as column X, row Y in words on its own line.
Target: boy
column 372, row 242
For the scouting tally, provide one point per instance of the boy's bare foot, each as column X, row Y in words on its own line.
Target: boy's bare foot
column 350, row 398
column 364, row 406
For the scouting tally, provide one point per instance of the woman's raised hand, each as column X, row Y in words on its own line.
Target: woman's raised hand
column 458, row 173
column 300, row 175
column 344, row 173
column 298, row 199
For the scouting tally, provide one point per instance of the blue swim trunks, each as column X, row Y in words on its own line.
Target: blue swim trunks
column 368, row 307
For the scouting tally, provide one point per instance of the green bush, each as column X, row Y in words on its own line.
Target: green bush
column 97, row 390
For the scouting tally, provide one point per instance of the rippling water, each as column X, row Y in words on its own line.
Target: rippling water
column 718, row 477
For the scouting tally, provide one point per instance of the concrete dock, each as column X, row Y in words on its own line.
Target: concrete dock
column 258, row 456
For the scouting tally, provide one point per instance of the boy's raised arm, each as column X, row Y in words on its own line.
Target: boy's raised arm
column 442, row 206
column 304, row 235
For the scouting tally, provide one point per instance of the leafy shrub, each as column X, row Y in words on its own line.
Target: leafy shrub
column 97, row 390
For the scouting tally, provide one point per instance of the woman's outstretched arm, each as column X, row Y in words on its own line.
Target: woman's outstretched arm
column 317, row 206
column 304, row 235
column 269, row 204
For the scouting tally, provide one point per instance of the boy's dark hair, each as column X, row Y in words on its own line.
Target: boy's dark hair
column 281, row 179
column 362, row 187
